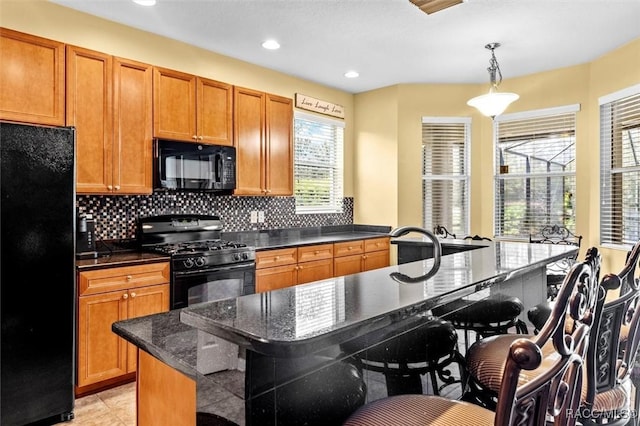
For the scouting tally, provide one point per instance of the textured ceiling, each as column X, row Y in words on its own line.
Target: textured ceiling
column 388, row 41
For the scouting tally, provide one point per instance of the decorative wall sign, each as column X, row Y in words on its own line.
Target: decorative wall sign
column 316, row 105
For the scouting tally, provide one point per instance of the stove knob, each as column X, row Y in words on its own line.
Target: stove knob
column 245, row 256
column 236, row 256
column 200, row 262
column 188, row 263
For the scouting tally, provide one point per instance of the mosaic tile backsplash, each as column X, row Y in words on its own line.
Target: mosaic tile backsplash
column 115, row 216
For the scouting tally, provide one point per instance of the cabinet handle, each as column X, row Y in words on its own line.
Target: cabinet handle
column 129, row 277
column 194, row 137
column 200, row 138
column 350, row 248
column 133, row 294
column 316, row 252
column 364, row 256
column 125, row 296
column 109, row 187
column 298, row 267
column 117, row 187
column 276, row 258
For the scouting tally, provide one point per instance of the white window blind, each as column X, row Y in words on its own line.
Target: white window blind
column 445, row 173
column 318, row 165
column 620, row 168
column 535, row 181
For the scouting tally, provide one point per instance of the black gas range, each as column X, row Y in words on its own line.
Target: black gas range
column 204, row 266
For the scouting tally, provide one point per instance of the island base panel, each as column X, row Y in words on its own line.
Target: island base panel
column 164, row 393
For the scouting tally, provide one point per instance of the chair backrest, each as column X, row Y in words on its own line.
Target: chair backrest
column 555, row 234
column 553, row 388
column 442, row 232
column 476, row 238
column 604, row 370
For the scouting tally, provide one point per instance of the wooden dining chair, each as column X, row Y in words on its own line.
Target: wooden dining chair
column 607, row 395
column 541, row 376
column 485, row 359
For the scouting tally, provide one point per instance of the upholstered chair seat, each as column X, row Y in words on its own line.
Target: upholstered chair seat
column 416, row 410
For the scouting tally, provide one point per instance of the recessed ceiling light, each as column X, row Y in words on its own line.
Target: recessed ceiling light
column 145, row 2
column 271, row 45
column 351, row 74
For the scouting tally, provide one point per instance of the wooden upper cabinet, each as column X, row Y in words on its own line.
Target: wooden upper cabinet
column 90, row 110
column 249, row 128
column 214, row 101
column 191, row 108
column 32, row 80
column 132, row 117
column 264, row 143
column 109, row 101
column 279, row 145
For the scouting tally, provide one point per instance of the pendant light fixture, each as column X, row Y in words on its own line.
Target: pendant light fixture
column 493, row 103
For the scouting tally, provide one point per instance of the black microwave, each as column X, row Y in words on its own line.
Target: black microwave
column 193, row 166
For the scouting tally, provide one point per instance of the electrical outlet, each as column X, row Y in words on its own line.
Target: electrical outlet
column 254, row 216
column 260, row 216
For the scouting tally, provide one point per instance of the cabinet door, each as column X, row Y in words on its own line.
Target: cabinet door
column 174, row 105
column 347, row 265
column 145, row 301
column 277, row 277
column 314, row 271
column 249, row 135
column 132, row 102
column 32, row 80
column 375, row 260
column 102, row 354
column 279, row 145
column 89, row 109
column 214, row 101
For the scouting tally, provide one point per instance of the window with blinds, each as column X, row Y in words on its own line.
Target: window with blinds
column 445, row 173
column 620, row 167
column 535, row 177
column 318, row 164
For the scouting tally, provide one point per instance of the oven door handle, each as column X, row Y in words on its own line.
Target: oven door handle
column 221, row 268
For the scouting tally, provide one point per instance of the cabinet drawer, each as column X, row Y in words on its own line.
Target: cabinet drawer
column 317, row 252
column 376, row 244
column 279, row 257
column 348, row 248
column 110, row 279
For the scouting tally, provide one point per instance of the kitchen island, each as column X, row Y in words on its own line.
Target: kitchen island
column 297, row 369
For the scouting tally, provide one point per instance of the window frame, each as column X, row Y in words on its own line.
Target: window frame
column 606, row 170
column 523, row 116
column 338, row 204
column 466, row 177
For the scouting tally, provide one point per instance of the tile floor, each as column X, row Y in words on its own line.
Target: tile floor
column 112, row 407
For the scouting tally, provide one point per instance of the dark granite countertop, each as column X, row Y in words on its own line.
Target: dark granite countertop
column 113, row 253
column 298, row 320
column 120, row 258
column 281, row 238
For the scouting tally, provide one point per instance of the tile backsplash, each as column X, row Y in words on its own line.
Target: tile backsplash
column 116, row 216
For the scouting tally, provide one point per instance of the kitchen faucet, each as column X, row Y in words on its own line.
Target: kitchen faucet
column 437, row 253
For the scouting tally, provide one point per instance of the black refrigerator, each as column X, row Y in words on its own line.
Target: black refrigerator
column 37, row 282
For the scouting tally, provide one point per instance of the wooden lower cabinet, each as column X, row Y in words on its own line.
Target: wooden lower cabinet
column 110, row 295
column 352, row 257
column 281, row 268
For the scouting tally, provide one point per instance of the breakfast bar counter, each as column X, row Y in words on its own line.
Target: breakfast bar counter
column 297, row 370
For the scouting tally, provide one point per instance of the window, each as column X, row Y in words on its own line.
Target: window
column 535, row 176
column 318, row 164
column 620, row 167
column 445, row 173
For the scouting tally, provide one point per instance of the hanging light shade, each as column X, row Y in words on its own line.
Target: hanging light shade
column 493, row 103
